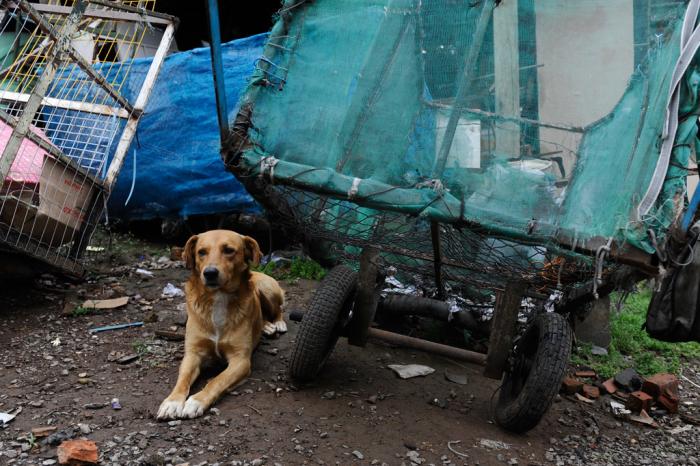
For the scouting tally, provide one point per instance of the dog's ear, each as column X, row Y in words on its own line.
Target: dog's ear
column 189, row 252
column 252, row 251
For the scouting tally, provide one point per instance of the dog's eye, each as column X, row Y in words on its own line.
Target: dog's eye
column 202, row 252
column 228, row 250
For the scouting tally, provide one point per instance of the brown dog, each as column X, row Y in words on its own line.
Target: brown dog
column 228, row 307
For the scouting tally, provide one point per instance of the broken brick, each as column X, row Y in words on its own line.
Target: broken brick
column 668, row 403
column 45, row 431
column 585, row 373
column 74, row 452
column 661, row 384
column 610, row 386
column 589, row 391
column 639, row 401
column 570, row 385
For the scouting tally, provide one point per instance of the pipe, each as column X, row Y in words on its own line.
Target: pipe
column 217, row 66
column 428, row 346
column 427, row 307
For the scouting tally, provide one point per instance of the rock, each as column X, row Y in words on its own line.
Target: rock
column 494, row 444
column 84, row 429
column 129, row 358
column 638, row 401
column 174, row 423
column 36, row 403
column 629, row 379
column 357, row 454
column 372, row 399
column 77, row 451
column 599, row 351
column 460, row 379
column 410, row 444
column 408, row 371
column 328, row 395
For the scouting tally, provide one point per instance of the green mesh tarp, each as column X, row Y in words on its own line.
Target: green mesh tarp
column 535, row 120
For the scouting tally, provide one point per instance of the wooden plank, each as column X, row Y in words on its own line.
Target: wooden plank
column 97, row 109
column 110, row 15
column 366, row 298
column 503, row 328
column 507, row 76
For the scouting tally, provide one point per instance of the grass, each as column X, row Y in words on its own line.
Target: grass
column 81, row 311
column 631, row 346
column 140, row 347
column 297, row 268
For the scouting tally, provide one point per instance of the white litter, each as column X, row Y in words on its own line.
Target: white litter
column 619, row 410
column 171, row 291
column 144, row 273
column 494, row 444
column 56, row 342
column 408, row 371
column 5, row 418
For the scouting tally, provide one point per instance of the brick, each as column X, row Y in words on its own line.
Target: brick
column 661, row 384
column 639, row 401
column 45, row 431
column 668, row 403
column 586, row 373
column 176, row 253
column 610, row 386
column 591, row 392
column 570, row 385
column 76, row 452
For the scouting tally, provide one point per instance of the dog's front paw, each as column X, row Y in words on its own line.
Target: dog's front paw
column 193, row 408
column 280, row 326
column 270, row 328
column 170, row 409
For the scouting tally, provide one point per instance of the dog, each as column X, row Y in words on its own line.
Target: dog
column 228, row 308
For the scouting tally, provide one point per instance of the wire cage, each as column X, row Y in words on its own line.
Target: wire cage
column 68, row 113
column 475, row 143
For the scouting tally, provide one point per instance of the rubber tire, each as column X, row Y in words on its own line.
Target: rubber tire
column 525, row 398
column 319, row 329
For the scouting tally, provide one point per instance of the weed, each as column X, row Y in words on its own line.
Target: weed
column 81, row 311
column 297, row 268
column 631, row 346
column 140, row 347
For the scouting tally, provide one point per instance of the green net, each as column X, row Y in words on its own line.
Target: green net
column 537, row 122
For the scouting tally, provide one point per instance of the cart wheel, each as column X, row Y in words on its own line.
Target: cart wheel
column 323, row 322
column 533, row 378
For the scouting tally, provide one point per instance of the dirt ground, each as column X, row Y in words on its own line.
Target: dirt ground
column 357, row 412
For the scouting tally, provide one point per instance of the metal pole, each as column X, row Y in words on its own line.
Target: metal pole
column 437, row 259
column 218, row 68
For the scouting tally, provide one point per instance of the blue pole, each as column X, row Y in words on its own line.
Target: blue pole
column 218, row 68
column 692, row 207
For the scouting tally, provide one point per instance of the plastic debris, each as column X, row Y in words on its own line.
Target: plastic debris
column 411, row 370
column 56, row 342
column 115, row 404
column 494, row 444
column 106, row 303
column 619, row 410
column 5, row 418
column 145, row 273
column 171, row 291
column 115, row 327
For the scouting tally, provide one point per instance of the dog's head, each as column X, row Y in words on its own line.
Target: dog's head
column 221, row 258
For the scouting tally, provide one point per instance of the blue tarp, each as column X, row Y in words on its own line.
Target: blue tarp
column 178, row 170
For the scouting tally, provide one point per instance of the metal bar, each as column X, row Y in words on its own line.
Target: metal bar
column 428, row 346
column 503, row 328
column 141, row 17
column 141, row 100
column 75, row 55
column 21, row 129
column 139, row 11
column 97, row 109
column 366, row 297
column 218, row 69
column 50, row 148
column 464, row 86
column 437, row 258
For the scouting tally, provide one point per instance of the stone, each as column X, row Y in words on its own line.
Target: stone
column 629, row 379
column 357, row 454
column 77, row 451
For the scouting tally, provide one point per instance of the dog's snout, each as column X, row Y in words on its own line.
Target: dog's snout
column 211, row 273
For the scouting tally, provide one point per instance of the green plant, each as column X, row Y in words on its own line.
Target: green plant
column 631, row 346
column 140, row 347
column 297, row 268
column 81, row 311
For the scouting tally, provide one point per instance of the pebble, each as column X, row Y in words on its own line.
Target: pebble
column 357, row 454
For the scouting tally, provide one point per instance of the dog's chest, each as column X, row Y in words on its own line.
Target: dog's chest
column 219, row 316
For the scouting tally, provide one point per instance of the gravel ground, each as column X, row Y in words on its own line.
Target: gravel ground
column 357, row 412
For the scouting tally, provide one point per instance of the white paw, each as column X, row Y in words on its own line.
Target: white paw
column 269, row 328
column 193, row 408
column 170, row 409
column 280, row 326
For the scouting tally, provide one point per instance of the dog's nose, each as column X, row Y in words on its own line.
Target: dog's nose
column 211, row 273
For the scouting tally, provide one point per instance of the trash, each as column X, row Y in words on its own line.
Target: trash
column 43, row 431
column 598, row 351
column 115, row 404
column 5, row 418
column 129, row 358
column 494, row 444
column 589, row 391
column 106, row 303
column 171, row 291
column 570, row 385
column 115, row 327
column 460, row 379
column 681, row 429
column 629, row 379
column 168, row 335
column 77, row 452
column 619, row 410
column 458, row 453
column 94, row 249
column 643, row 418
column 639, row 401
column 410, row 370
column 609, row 386
column 582, row 398
column 145, row 273
column 56, row 342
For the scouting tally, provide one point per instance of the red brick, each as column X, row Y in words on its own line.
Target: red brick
column 586, row 373
column 668, row 403
column 75, row 452
column 39, row 432
column 570, row 385
column 610, row 386
column 661, row 384
column 639, row 401
column 589, row 391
